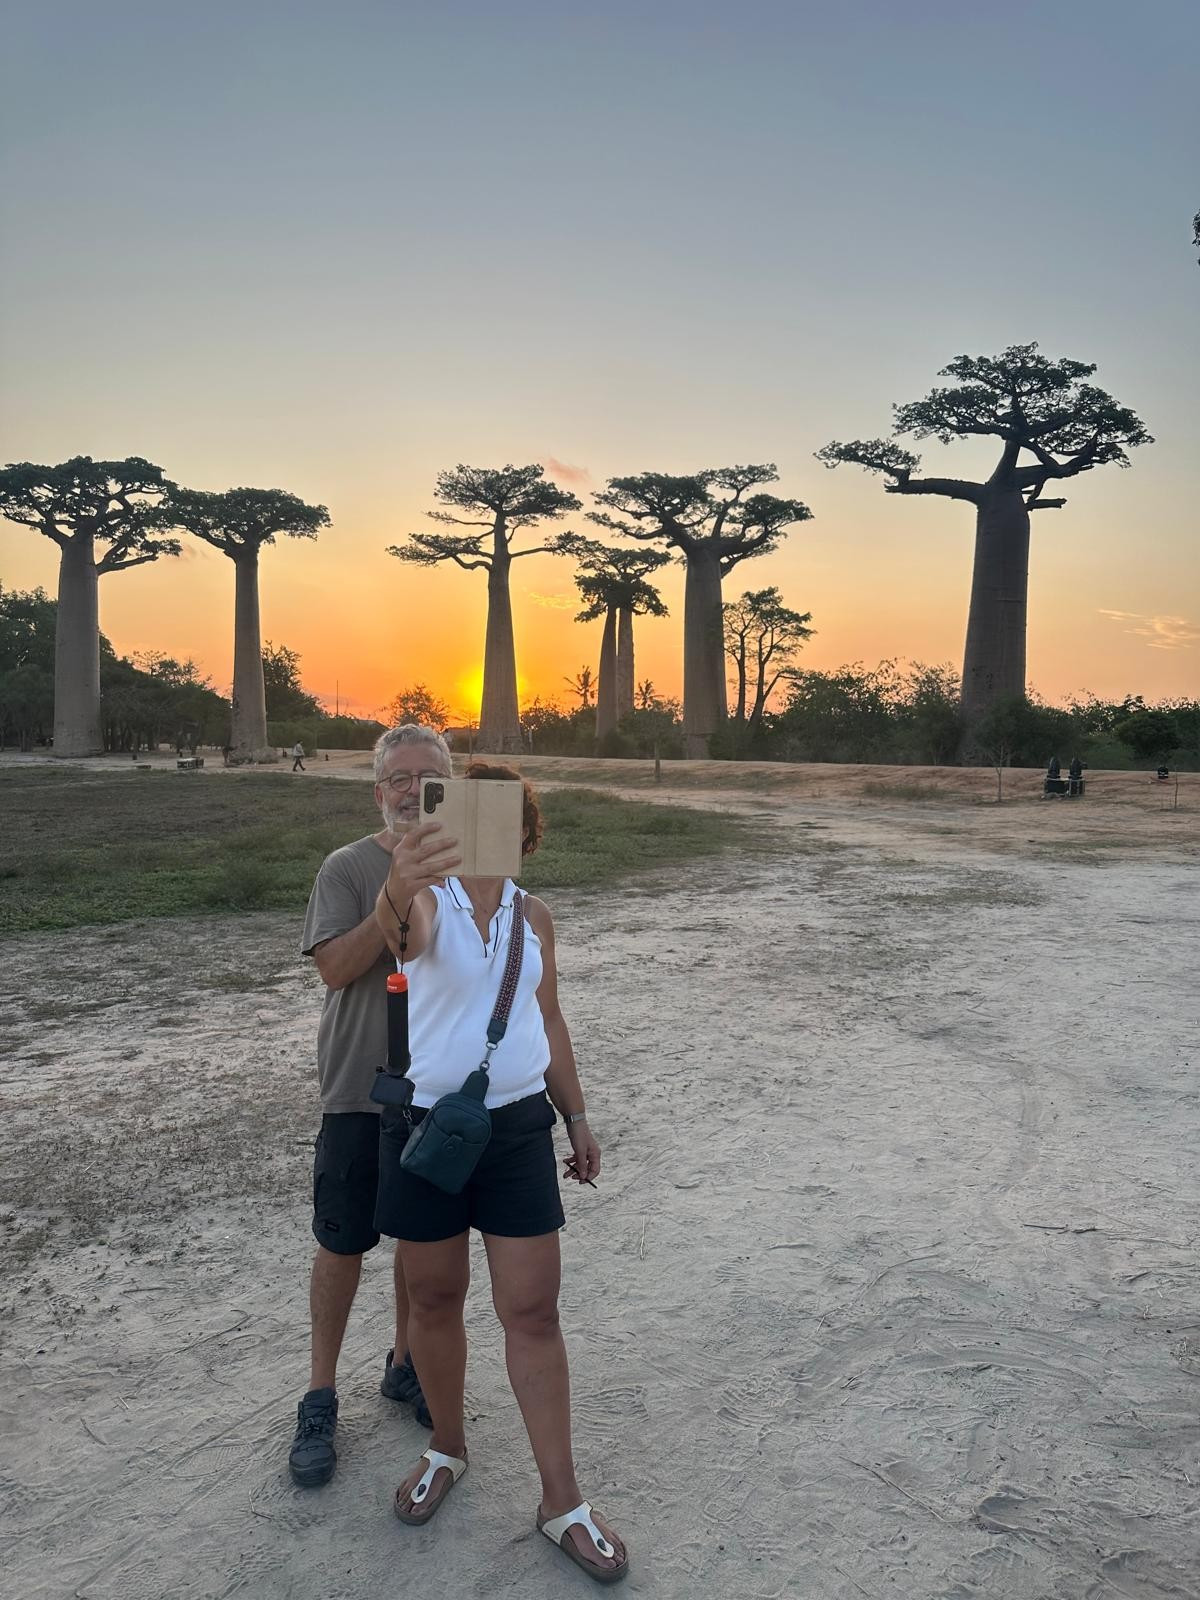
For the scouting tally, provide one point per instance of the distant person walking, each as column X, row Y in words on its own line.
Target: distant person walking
column 347, row 946
column 298, row 757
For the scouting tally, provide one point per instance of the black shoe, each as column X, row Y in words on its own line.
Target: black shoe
column 401, row 1383
column 312, row 1457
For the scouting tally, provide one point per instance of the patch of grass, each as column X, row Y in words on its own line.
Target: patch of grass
column 79, row 847
column 911, row 791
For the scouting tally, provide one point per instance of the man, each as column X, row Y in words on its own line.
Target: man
column 342, row 936
column 298, row 757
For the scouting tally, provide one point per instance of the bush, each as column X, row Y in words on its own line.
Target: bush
column 348, row 733
column 283, row 735
column 240, row 884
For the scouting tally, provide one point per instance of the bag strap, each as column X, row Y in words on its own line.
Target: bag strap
column 508, row 983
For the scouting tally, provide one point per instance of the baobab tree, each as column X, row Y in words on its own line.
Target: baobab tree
column 82, row 504
column 1035, row 407
column 613, row 583
column 501, row 503
column 762, row 637
column 239, row 523
column 715, row 522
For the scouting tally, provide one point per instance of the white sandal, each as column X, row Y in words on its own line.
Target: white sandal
column 454, row 1465
column 555, row 1528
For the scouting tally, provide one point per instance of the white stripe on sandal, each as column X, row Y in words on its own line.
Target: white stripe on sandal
column 581, row 1517
column 437, row 1460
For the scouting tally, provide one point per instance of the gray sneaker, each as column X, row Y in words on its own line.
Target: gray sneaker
column 312, row 1457
column 400, row 1383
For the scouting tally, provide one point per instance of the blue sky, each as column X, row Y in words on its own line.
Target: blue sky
column 337, row 248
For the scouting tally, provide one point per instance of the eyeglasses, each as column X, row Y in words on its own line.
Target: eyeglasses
column 402, row 782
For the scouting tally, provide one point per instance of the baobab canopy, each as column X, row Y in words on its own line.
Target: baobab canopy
column 715, row 520
column 499, row 503
column 240, row 523
column 613, row 583
column 1052, row 425
column 83, row 505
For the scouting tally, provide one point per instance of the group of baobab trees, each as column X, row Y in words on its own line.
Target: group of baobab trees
column 1050, row 423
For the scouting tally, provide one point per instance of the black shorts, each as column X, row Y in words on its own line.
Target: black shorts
column 345, row 1178
column 513, row 1191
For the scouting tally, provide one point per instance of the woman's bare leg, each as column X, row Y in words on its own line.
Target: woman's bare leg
column 401, row 1344
column 437, row 1276
column 525, row 1279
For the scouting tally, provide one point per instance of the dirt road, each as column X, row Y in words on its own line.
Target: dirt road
column 890, row 1286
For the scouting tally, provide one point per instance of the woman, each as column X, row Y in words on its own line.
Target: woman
column 455, row 949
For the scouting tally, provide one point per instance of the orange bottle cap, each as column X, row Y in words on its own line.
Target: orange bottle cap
column 397, row 983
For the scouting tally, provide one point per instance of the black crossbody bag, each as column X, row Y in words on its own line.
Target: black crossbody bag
column 445, row 1146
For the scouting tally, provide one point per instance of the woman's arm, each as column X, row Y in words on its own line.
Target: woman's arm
column 562, row 1078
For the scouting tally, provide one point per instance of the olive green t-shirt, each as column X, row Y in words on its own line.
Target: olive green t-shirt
column 352, row 1034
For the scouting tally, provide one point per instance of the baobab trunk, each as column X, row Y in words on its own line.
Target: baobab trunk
column 499, row 717
column 703, row 653
column 994, row 659
column 606, row 687
column 249, row 737
column 77, row 652
column 624, row 662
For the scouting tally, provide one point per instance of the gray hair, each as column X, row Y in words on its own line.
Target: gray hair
column 411, row 733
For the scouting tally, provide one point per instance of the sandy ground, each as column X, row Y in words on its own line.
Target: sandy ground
column 890, row 1286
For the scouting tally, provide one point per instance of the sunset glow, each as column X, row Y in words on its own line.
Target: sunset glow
column 355, row 367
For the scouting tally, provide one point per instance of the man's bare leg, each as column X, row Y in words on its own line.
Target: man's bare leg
column 330, row 1295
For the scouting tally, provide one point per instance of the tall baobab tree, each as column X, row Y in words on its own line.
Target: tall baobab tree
column 501, row 503
column 239, row 523
column 762, row 636
column 81, row 504
column 613, row 583
column 1035, row 407
column 714, row 521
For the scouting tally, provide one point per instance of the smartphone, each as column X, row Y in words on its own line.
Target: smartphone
column 485, row 815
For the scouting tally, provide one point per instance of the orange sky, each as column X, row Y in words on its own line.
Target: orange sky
column 369, row 242
column 882, row 577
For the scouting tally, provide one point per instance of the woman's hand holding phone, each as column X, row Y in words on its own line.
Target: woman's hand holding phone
column 420, row 858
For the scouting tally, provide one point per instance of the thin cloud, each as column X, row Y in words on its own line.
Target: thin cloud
column 1160, row 633
column 553, row 602
column 568, row 474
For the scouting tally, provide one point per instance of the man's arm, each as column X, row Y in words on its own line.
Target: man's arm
column 347, row 957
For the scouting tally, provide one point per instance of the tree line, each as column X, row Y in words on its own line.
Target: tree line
column 1048, row 422
column 152, row 698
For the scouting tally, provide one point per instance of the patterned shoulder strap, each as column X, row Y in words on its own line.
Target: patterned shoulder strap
column 512, row 972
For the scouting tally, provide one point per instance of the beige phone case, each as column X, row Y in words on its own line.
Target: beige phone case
column 485, row 816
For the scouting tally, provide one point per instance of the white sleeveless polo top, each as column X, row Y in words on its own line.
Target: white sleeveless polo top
column 453, row 987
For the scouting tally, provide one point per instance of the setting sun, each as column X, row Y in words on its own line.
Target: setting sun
column 469, row 691
column 468, row 694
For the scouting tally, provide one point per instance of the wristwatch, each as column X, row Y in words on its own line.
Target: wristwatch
column 575, row 1116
